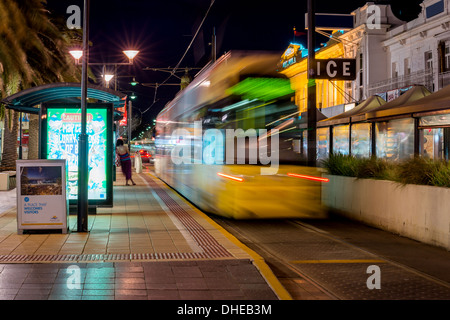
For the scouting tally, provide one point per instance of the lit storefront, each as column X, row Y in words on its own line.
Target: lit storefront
column 418, row 127
column 362, row 132
column 349, row 131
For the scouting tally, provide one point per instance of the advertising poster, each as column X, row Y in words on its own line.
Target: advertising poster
column 62, row 130
column 41, row 200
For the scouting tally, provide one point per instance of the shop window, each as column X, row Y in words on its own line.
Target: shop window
column 395, row 139
column 433, row 143
column 341, row 139
column 304, row 151
column 361, row 140
column 323, row 143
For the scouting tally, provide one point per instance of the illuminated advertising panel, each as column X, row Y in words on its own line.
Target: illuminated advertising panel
column 61, row 127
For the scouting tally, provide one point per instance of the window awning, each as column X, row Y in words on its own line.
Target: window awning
column 351, row 115
column 28, row 100
column 397, row 106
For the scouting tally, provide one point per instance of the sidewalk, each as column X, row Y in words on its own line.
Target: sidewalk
column 151, row 244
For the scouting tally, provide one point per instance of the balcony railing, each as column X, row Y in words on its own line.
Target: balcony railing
column 423, row 77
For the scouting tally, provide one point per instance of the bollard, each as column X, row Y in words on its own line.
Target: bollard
column 138, row 162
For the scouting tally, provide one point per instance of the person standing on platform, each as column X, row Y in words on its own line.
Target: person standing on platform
column 125, row 160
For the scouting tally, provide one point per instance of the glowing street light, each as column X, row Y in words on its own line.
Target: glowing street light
column 131, row 54
column 76, row 54
column 107, row 78
column 134, row 82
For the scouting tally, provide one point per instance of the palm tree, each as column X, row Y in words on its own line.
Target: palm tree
column 33, row 51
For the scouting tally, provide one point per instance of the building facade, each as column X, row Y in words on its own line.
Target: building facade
column 392, row 54
column 331, row 97
column 392, row 58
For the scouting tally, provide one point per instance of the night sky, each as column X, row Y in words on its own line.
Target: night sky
column 163, row 29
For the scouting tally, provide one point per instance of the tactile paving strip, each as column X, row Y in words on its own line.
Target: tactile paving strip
column 102, row 257
column 211, row 249
column 204, row 239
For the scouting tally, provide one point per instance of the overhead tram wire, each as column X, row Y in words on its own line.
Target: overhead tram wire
column 184, row 55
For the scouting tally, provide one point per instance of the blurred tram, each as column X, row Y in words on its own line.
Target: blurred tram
column 229, row 142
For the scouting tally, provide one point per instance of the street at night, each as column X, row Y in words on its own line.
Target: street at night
column 221, row 159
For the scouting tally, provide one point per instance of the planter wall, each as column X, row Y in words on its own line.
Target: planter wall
column 418, row 212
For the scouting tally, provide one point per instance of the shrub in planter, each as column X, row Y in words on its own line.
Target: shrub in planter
column 374, row 168
column 341, row 165
column 416, row 170
column 440, row 174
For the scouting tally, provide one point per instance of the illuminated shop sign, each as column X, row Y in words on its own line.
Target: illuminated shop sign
column 334, row 69
column 60, row 130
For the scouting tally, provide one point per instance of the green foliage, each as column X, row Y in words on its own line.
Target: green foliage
column 416, row 170
column 34, row 47
column 440, row 174
column 341, row 165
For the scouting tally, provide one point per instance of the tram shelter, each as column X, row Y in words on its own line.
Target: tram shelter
column 58, row 108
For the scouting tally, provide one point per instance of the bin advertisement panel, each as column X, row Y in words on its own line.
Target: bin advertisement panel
column 62, row 128
column 41, row 200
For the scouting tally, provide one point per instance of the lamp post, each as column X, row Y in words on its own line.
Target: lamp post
column 312, row 108
column 83, row 160
column 129, row 113
column 83, row 173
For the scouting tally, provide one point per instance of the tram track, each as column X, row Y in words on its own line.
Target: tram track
column 308, row 257
column 297, row 284
column 380, row 257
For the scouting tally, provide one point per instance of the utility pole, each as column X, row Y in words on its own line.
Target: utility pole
column 130, row 117
column 312, row 108
column 83, row 170
column 214, row 46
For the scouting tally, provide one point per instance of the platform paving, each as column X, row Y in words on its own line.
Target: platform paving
column 150, row 245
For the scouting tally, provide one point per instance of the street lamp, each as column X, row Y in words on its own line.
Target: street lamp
column 107, row 78
column 134, row 82
column 76, row 54
column 131, row 54
column 83, row 137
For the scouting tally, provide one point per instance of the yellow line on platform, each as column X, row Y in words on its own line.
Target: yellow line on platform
column 258, row 261
column 338, row 261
